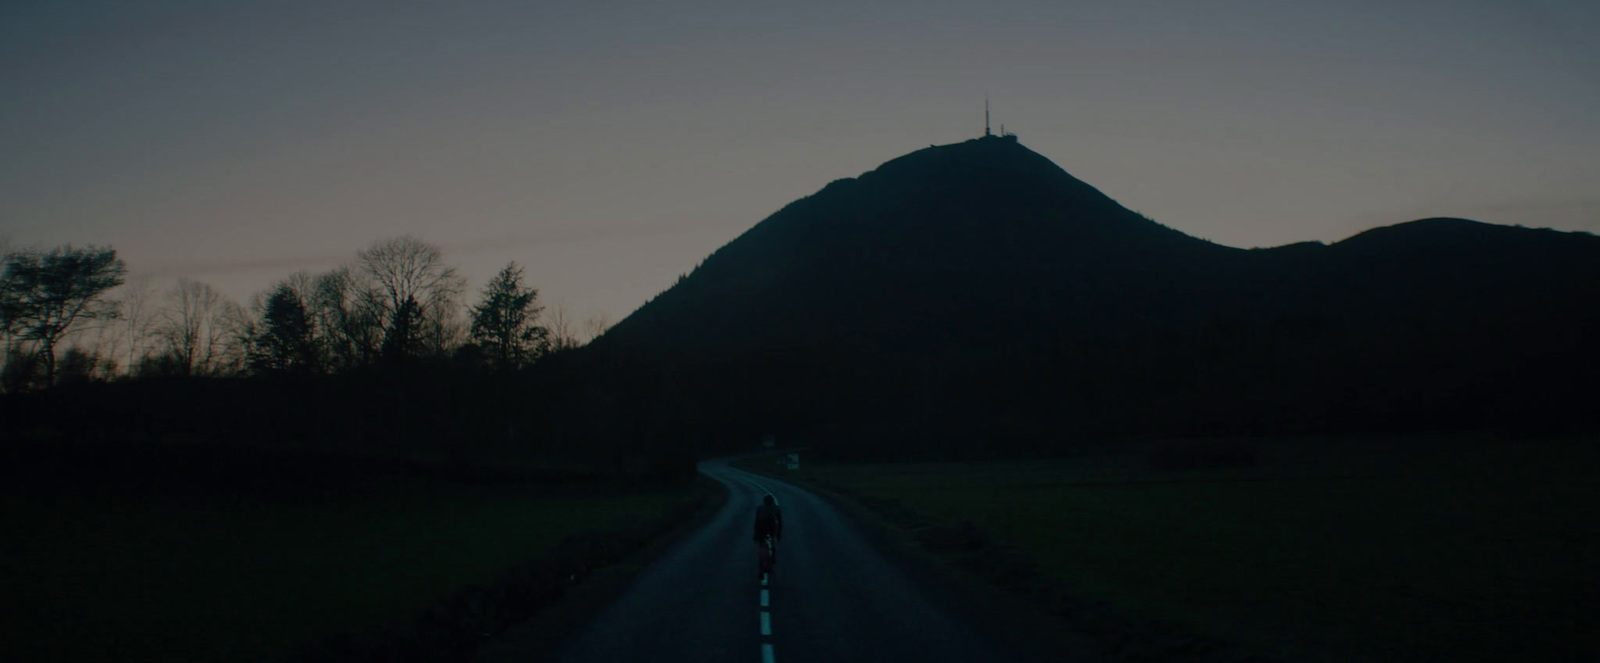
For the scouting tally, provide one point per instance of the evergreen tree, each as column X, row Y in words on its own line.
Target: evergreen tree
column 401, row 341
column 503, row 323
column 287, row 340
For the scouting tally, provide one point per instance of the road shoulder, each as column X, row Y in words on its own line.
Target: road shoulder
column 1010, row 621
column 537, row 639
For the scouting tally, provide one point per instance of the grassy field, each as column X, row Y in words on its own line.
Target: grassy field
column 1383, row 550
column 124, row 575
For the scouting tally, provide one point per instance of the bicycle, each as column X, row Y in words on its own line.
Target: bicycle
column 767, row 554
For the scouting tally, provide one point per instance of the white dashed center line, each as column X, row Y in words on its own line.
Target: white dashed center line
column 767, row 655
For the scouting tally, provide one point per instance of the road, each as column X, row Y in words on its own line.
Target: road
column 833, row 597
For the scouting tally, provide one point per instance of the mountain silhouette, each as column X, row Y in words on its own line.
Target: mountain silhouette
column 975, row 298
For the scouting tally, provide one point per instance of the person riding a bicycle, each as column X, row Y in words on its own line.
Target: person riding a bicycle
column 769, row 521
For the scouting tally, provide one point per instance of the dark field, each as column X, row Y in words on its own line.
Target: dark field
column 1385, row 550
column 128, row 573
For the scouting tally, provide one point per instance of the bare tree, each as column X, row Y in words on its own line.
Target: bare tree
column 237, row 330
column 406, row 269
column 45, row 294
column 351, row 329
column 138, row 318
column 594, row 326
column 192, row 327
column 101, row 344
column 567, row 332
column 8, row 301
column 444, row 328
column 563, row 332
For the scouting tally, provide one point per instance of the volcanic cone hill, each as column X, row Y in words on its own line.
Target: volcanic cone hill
column 974, row 299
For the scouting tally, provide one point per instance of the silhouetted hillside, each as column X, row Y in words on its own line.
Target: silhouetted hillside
column 975, row 298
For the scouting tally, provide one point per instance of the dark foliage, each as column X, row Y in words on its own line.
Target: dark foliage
column 44, row 294
column 78, row 366
column 20, row 370
column 287, row 341
column 436, row 413
column 503, row 322
column 401, row 339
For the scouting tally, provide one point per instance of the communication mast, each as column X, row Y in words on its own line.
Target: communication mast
column 986, row 116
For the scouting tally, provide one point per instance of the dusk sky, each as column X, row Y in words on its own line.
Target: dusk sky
column 610, row 146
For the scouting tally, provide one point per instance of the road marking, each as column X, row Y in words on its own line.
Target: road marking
column 768, row 491
column 762, row 486
column 767, row 655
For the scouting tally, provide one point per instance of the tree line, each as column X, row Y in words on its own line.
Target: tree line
column 70, row 314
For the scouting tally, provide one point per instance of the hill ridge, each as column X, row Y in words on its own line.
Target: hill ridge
column 978, row 291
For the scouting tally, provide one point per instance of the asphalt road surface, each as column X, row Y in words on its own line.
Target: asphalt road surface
column 833, row 597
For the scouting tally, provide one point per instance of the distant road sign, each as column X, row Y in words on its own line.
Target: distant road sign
column 794, row 461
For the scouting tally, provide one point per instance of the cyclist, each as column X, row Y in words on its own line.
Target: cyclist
column 769, row 520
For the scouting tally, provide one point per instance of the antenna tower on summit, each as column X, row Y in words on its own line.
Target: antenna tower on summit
column 986, row 115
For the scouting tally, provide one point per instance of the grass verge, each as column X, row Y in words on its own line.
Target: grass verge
column 1374, row 549
column 110, row 571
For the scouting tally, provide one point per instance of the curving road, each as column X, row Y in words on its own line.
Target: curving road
column 833, row 597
